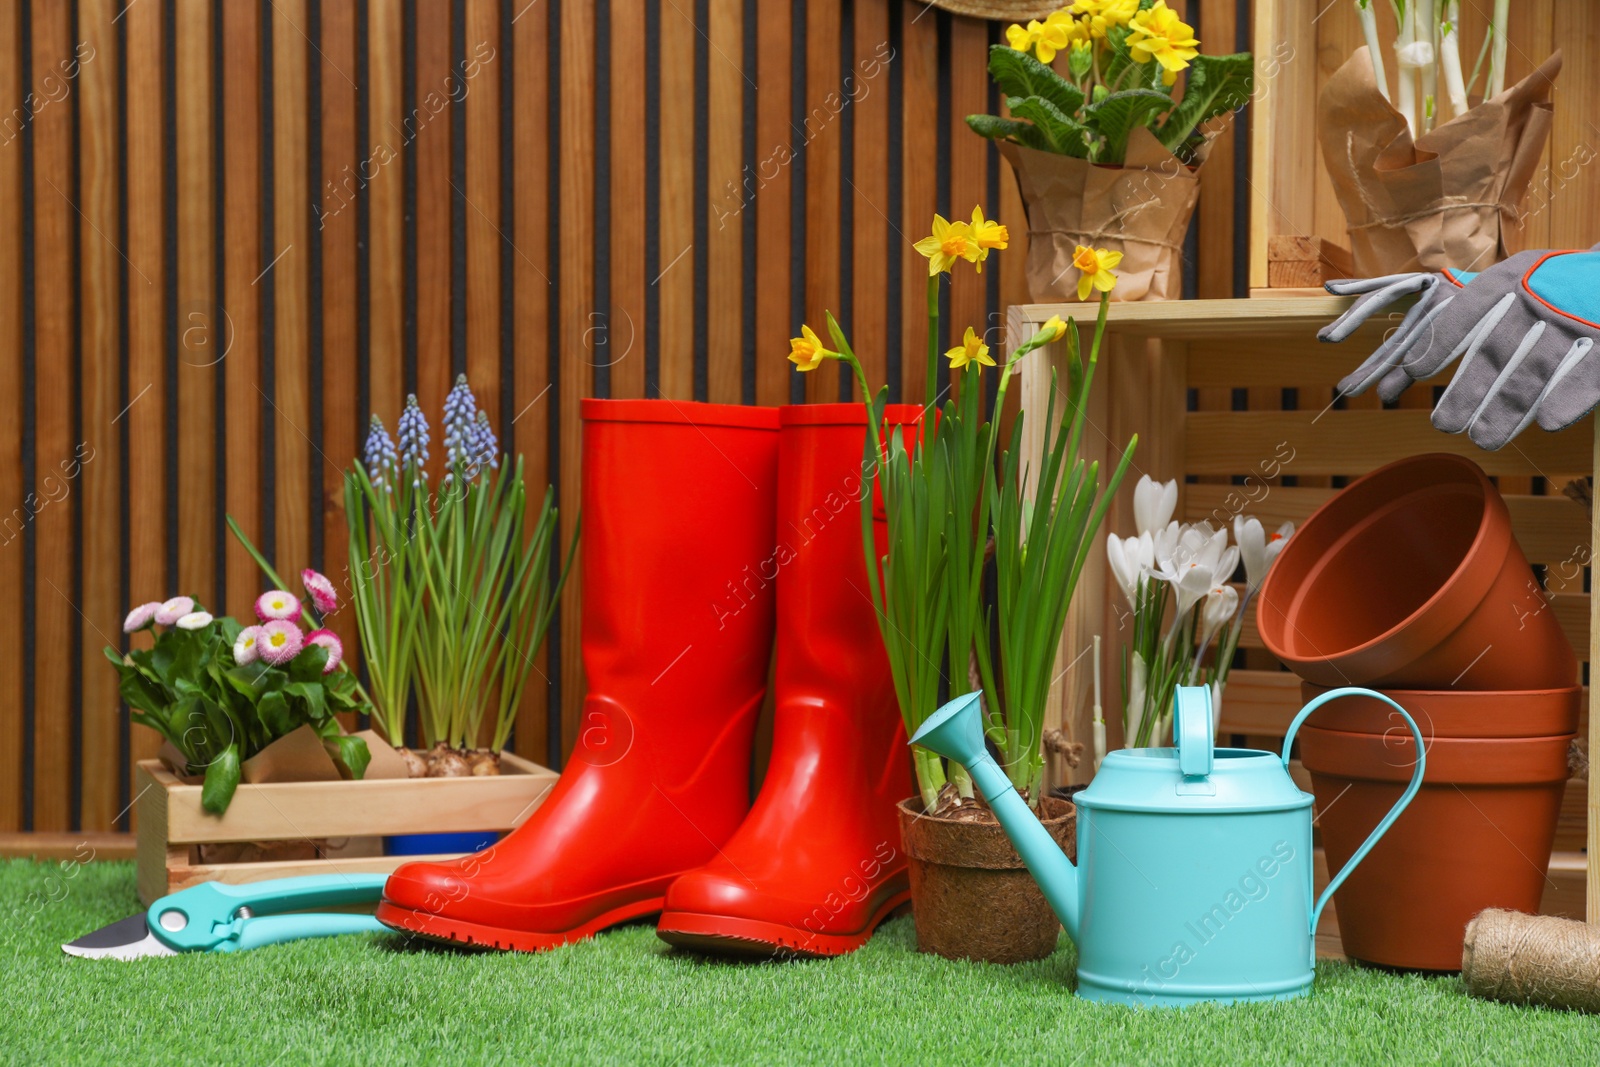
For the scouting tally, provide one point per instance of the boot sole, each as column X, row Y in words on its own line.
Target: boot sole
column 729, row 935
column 445, row 930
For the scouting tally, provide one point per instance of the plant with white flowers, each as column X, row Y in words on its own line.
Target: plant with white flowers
column 1188, row 567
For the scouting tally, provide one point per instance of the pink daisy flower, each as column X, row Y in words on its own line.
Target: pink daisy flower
column 323, row 595
column 174, row 609
column 247, row 646
column 276, row 604
column 195, row 620
column 330, row 641
column 279, row 641
column 140, row 617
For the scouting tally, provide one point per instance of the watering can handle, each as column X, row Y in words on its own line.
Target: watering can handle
column 1192, row 728
column 1394, row 813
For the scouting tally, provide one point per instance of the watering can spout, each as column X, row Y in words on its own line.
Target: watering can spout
column 955, row 732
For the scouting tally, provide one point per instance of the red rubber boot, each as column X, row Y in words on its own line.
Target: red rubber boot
column 817, row 865
column 677, row 635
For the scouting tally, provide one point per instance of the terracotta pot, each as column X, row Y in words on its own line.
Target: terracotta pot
column 1476, row 836
column 1410, row 579
column 1447, row 713
column 970, row 893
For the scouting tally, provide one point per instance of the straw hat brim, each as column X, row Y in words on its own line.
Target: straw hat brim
column 1001, row 10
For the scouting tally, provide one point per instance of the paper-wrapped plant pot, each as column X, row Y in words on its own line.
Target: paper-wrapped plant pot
column 1456, row 196
column 1141, row 209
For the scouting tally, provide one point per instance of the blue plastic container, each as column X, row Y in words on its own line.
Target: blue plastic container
column 439, row 844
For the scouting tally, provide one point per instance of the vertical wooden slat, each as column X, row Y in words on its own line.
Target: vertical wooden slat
column 821, row 134
column 12, row 512
column 480, row 81
column 676, row 219
column 1214, row 270
column 920, row 185
column 869, row 187
column 531, row 425
column 100, row 478
column 201, row 333
column 241, row 102
column 774, row 148
column 383, row 171
column 723, row 163
column 55, row 609
column 429, row 130
column 336, row 199
column 969, row 86
column 291, row 399
column 577, row 306
column 625, row 350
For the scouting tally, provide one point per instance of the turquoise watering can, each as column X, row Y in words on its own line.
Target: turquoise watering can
column 1194, row 874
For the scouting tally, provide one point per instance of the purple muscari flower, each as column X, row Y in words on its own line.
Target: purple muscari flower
column 379, row 456
column 460, row 410
column 414, row 441
column 488, row 448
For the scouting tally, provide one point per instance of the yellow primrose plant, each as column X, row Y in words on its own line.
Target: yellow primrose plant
column 946, row 497
column 1121, row 61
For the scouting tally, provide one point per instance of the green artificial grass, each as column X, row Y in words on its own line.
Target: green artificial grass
column 626, row 996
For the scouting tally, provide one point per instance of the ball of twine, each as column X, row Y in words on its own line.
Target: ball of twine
column 1532, row 959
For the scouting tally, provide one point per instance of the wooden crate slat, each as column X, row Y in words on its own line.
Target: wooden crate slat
column 1230, row 363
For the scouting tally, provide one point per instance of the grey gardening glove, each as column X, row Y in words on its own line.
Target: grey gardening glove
column 1523, row 329
column 1434, row 291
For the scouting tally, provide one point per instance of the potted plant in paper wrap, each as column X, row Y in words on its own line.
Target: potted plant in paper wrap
column 244, row 703
column 1433, row 173
column 1176, row 579
column 454, row 587
column 957, row 506
column 1107, row 151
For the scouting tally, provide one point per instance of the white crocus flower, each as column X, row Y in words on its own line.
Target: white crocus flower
column 1153, row 504
column 1201, row 560
column 1258, row 549
column 1130, row 558
column 1220, row 604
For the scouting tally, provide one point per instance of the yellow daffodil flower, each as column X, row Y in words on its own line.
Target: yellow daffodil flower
column 970, row 350
column 987, row 234
column 1022, row 38
column 1159, row 34
column 806, row 351
column 1053, row 327
column 1096, row 265
column 950, row 241
column 1101, row 15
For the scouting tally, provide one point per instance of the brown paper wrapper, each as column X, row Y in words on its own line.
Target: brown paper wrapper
column 386, row 762
column 297, row 756
column 1456, row 197
column 1140, row 209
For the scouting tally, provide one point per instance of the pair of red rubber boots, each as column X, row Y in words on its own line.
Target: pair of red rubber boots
column 709, row 532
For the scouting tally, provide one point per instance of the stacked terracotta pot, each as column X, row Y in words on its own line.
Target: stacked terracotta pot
column 1411, row 583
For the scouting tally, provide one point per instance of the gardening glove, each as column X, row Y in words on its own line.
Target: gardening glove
column 1523, row 330
column 1434, row 291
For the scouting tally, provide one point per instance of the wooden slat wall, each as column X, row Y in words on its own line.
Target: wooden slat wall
column 230, row 232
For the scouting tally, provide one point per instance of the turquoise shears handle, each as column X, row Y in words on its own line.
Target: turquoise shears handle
column 201, row 917
column 275, row 929
column 1394, row 813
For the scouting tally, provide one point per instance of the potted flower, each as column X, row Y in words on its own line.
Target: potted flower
column 1103, row 152
column 946, row 496
column 1188, row 567
column 453, row 589
column 222, row 694
column 1433, row 173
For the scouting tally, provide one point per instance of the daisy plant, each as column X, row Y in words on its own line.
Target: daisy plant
column 1122, row 60
column 220, row 692
column 946, row 497
column 454, row 585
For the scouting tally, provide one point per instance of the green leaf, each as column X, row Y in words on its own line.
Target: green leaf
column 310, row 693
column 1065, row 134
column 998, row 129
column 1213, row 84
column 222, row 778
column 308, row 665
column 1019, row 74
column 1116, row 116
column 353, row 753
column 273, row 710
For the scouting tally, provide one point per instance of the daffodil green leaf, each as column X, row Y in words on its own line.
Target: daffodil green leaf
column 222, row 778
column 1019, row 74
column 1116, row 116
column 1213, row 85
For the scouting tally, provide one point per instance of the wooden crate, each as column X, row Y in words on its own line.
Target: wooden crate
column 1298, row 46
column 348, row 819
column 1235, row 399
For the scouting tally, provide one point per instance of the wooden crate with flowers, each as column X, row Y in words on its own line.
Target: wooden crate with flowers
column 453, row 588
